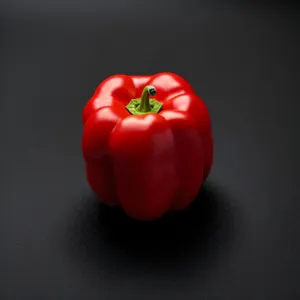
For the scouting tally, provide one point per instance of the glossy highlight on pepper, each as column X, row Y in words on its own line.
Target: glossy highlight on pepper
column 147, row 143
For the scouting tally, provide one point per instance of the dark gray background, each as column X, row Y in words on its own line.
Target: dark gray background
column 239, row 240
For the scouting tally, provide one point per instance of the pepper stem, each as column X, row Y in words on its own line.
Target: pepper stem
column 144, row 105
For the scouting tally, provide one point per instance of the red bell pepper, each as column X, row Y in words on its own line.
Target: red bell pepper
column 146, row 155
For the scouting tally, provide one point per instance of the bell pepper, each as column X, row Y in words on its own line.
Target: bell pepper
column 147, row 143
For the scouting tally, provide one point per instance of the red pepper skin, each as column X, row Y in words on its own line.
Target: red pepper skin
column 151, row 163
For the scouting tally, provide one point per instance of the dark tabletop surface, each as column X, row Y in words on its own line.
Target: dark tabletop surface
column 240, row 238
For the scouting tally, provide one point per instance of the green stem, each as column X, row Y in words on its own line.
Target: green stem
column 144, row 106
